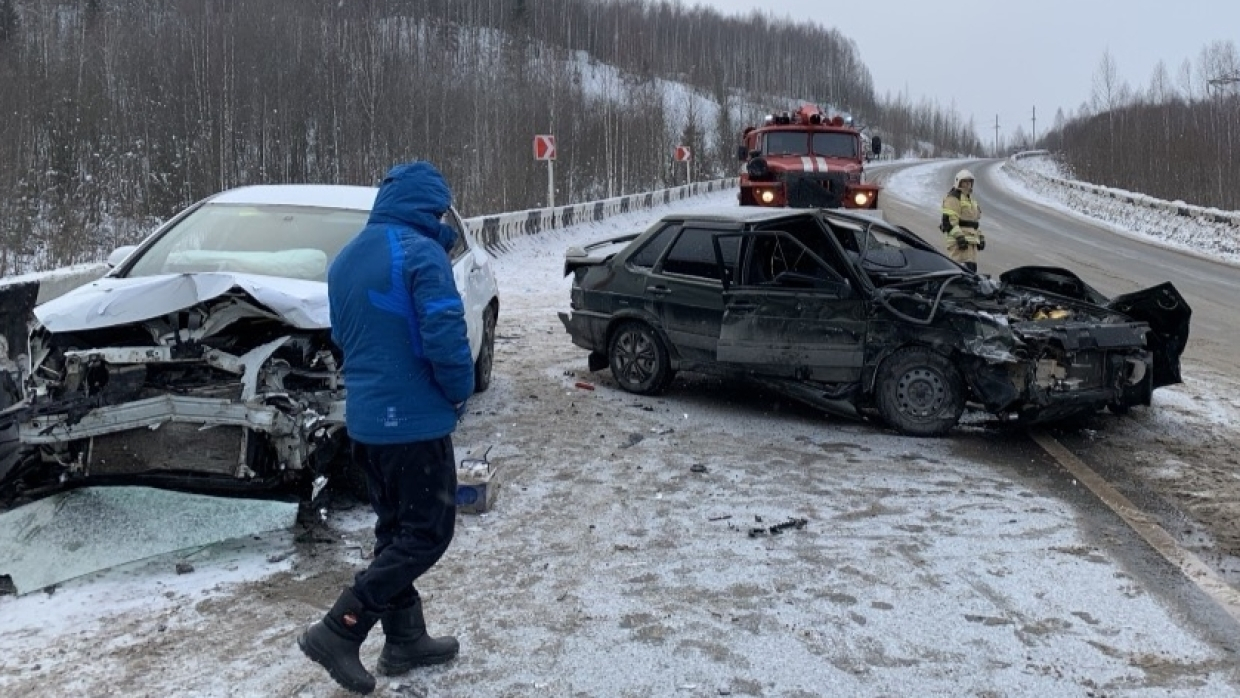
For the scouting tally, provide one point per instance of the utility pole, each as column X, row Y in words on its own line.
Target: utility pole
column 1034, row 144
column 996, row 135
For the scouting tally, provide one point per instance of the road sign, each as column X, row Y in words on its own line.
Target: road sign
column 544, row 147
column 682, row 153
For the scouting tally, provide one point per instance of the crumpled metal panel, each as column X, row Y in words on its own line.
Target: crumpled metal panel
column 81, row 531
column 110, row 302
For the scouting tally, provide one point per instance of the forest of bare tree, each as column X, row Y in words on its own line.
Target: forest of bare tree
column 1178, row 139
column 119, row 112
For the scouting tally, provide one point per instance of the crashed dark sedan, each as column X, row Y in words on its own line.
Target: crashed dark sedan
column 865, row 319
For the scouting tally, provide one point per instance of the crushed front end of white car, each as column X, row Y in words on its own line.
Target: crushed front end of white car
column 208, row 382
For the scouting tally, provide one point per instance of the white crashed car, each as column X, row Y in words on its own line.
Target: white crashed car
column 203, row 359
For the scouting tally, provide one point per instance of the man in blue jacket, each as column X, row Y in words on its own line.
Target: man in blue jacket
column 398, row 318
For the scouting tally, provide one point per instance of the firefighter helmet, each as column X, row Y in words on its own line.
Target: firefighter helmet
column 962, row 176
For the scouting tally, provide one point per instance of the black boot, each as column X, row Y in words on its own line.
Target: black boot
column 334, row 642
column 407, row 645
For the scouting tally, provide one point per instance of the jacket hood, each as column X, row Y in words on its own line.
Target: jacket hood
column 415, row 195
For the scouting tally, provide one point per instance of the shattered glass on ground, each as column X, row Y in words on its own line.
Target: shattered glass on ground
column 90, row 529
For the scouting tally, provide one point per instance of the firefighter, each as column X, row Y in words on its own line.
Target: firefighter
column 961, row 214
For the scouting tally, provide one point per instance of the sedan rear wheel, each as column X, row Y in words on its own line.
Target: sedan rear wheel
column 920, row 393
column 639, row 361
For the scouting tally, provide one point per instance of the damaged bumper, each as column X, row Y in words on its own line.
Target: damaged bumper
column 222, row 396
column 1046, row 371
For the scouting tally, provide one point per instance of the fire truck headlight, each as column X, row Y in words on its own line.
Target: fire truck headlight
column 767, row 196
column 861, row 198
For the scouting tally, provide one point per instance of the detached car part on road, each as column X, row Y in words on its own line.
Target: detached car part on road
column 861, row 318
column 203, row 360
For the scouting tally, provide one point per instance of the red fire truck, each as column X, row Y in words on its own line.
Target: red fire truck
column 806, row 160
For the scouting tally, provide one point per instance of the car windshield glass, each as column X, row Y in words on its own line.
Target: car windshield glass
column 787, row 143
column 297, row 242
column 835, row 145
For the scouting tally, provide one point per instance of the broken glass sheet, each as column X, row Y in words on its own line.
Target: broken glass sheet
column 74, row 533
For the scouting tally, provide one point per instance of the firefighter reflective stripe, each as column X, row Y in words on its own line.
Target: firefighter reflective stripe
column 951, row 211
column 814, row 164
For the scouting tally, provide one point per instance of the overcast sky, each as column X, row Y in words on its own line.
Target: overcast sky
column 1004, row 58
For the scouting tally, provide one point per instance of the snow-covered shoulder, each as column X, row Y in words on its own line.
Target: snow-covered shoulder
column 1215, row 234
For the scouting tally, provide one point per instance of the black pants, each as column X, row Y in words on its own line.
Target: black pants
column 413, row 492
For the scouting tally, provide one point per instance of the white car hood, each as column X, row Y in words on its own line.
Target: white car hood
column 109, row 302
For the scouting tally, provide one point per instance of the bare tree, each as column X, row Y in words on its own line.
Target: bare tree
column 1217, row 67
column 1108, row 89
column 1160, row 90
column 1187, row 84
column 9, row 22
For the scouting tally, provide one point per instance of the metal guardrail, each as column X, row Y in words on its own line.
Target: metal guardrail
column 495, row 232
column 1179, row 208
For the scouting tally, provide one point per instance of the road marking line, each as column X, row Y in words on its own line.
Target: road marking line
column 1190, row 565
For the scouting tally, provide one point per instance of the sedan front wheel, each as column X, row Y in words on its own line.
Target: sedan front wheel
column 639, row 361
column 920, row 392
column 486, row 352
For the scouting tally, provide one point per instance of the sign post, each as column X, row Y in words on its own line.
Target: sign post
column 544, row 149
column 683, row 154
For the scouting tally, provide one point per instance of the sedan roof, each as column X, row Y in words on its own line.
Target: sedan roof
column 758, row 214
column 734, row 213
column 341, row 196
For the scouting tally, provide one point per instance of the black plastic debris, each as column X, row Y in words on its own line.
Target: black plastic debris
column 777, row 528
column 698, row 468
column 184, row 568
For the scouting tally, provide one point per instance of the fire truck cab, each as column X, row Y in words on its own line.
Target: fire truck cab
column 806, row 160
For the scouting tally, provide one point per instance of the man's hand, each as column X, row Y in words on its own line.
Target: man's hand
column 962, row 242
column 460, row 408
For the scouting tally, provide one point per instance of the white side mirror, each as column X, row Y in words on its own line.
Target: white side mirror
column 119, row 254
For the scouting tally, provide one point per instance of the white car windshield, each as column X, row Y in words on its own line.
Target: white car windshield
column 296, row 242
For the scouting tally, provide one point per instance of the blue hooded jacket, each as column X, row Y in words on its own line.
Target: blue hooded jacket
column 398, row 317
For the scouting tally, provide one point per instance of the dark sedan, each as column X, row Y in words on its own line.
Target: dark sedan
column 862, row 318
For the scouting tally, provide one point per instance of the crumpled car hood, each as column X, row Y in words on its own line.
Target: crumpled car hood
column 110, row 302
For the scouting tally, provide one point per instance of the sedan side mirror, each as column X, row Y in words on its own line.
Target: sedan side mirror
column 119, row 254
